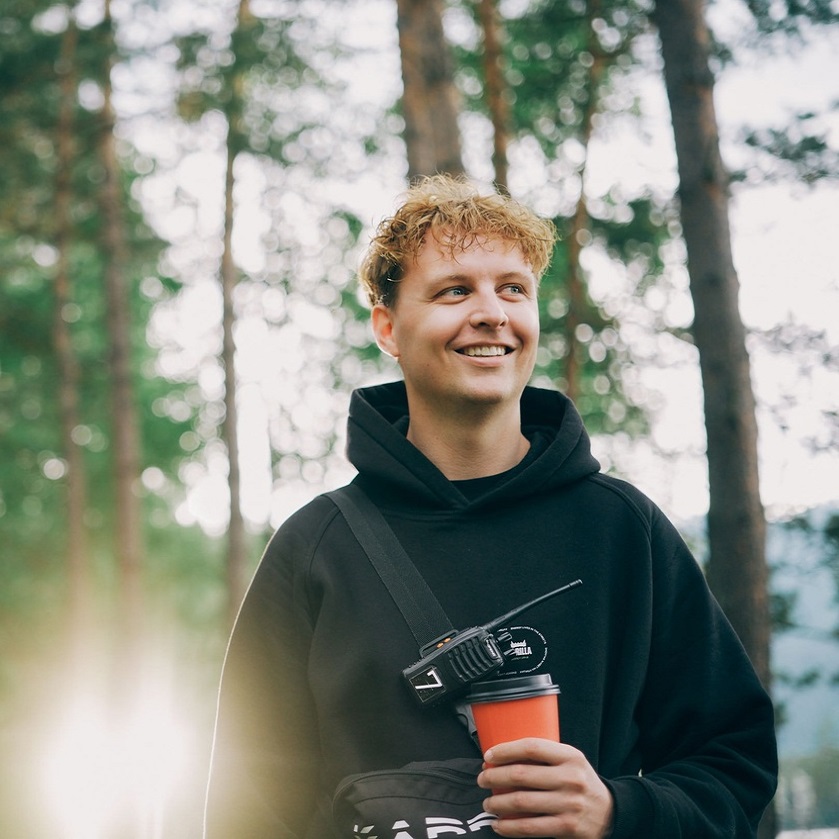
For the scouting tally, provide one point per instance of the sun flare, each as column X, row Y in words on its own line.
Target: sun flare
column 105, row 769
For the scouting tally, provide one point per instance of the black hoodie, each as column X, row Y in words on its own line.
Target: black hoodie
column 657, row 691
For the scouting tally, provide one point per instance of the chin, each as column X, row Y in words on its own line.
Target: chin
column 489, row 397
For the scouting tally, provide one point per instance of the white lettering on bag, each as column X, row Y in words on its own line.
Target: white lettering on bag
column 435, row 826
column 443, row 826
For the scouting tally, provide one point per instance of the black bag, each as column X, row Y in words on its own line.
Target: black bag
column 422, row 800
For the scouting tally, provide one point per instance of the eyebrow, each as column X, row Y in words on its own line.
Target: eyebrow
column 510, row 275
column 458, row 276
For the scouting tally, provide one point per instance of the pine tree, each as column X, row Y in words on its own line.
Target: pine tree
column 737, row 569
column 430, row 99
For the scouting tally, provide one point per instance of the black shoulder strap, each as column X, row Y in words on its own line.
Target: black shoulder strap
column 420, row 608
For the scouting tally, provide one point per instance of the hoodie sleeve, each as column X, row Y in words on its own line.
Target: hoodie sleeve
column 266, row 756
column 707, row 725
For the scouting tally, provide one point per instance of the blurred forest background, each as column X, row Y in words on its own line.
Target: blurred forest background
column 186, row 188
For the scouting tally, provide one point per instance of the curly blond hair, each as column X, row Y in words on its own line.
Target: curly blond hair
column 457, row 214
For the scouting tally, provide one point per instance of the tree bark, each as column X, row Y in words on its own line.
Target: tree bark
column 125, row 428
column 495, row 90
column 236, row 549
column 430, row 100
column 236, row 529
column 737, row 569
column 80, row 601
column 574, row 281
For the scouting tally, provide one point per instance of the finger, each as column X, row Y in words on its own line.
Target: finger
column 524, row 826
column 522, row 803
column 524, row 776
column 529, row 813
column 533, row 749
column 548, row 826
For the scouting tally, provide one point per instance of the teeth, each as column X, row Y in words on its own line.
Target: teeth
column 484, row 351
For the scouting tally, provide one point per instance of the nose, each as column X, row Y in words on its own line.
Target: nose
column 488, row 310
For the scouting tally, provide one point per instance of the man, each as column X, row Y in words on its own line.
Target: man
column 491, row 488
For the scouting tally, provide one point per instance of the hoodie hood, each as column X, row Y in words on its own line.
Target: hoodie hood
column 394, row 470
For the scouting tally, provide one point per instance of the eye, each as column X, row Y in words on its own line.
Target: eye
column 454, row 291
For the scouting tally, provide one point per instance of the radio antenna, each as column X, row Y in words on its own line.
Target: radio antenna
column 499, row 622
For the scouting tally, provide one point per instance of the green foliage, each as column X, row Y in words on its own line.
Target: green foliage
column 810, row 550
column 792, row 18
column 808, row 795
column 798, row 151
column 782, row 610
column 598, row 349
column 563, row 66
column 33, row 573
column 257, row 77
column 810, row 354
column 552, row 48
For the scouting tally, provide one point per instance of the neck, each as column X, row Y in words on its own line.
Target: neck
column 464, row 447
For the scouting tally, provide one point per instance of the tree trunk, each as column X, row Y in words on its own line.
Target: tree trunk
column 80, row 604
column 125, row 433
column 737, row 570
column 236, row 549
column 495, row 90
column 574, row 281
column 430, row 100
column 236, row 529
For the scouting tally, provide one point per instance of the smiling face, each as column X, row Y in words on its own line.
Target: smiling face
column 464, row 327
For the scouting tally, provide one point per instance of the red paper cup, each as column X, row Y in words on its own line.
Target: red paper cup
column 513, row 708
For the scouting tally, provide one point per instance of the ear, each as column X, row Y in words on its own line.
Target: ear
column 382, row 321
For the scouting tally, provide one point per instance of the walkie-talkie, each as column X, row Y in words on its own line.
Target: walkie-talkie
column 449, row 665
